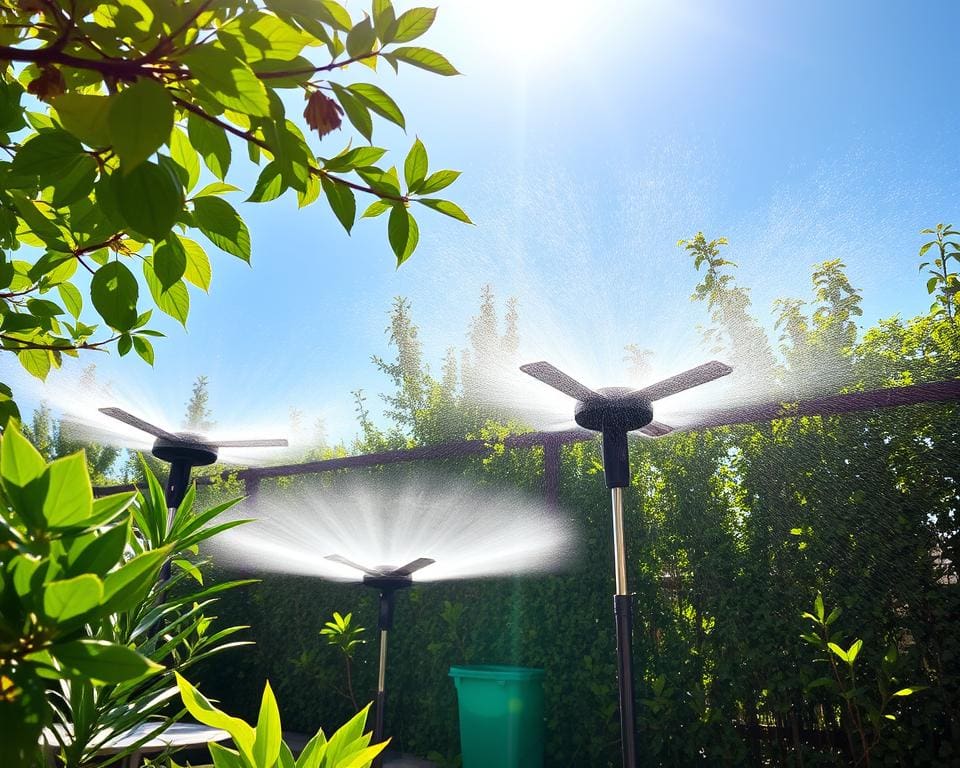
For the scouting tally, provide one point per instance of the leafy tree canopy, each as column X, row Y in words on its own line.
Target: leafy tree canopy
column 121, row 122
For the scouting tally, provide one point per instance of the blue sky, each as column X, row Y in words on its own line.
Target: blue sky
column 592, row 136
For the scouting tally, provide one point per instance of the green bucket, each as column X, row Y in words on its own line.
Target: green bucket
column 501, row 716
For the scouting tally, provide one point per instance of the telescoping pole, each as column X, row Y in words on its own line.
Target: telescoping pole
column 623, row 611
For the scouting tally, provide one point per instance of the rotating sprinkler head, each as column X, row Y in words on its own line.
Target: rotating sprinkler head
column 615, row 411
column 183, row 450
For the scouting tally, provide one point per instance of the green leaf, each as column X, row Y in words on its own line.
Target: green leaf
column 197, row 271
column 169, row 261
column 818, row 606
column 69, row 499
column 437, row 181
column 267, row 739
column 85, row 116
column 131, row 583
column 144, row 348
column 220, row 222
column 225, row 758
column 314, row 752
column 103, row 662
column 446, row 207
column 71, row 298
column 216, row 188
column 140, row 121
column 403, row 233
column 74, row 181
column 838, row 651
column 360, row 39
column 376, row 208
column 114, row 292
column 149, row 198
column 35, row 361
column 356, row 111
column 211, row 142
column 854, row 650
column 342, row 201
column 174, row 301
column 423, row 58
column 204, row 712
column 98, row 552
column 46, row 154
column 20, row 462
column 269, row 186
column 354, row 158
column 184, row 154
column 412, row 24
column 378, row 101
column 70, row 598
column 415, row 166
column 228, row 79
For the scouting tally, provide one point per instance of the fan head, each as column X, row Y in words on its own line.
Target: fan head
column 185, row 447
column 388, row 582
column 619, row 407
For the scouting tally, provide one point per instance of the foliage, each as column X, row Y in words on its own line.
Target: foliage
column 262, row 746
column 729, row 534
column 122, row 121
column 171, row 626
column 343, row 635
column 943, row 282
column 866, row 715
column 64, row 577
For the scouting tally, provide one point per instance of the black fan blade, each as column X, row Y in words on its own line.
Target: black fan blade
column 351, row 564
column 656, row 429
column 686, row 380
column 277, row 443
column 411, row 567
column 933, row 392
column 128, row 418
column 554, row 377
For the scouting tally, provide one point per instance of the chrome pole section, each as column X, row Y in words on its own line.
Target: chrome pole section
column 623, row 613
column 378, row 722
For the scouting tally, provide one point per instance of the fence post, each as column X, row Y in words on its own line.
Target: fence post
column 251, row 485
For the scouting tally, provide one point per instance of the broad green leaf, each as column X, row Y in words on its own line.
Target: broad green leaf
column 354, row 158
column 341, row 744
column 144, row 349
column 198, row 271
column 854, row 650
column 415, row 166
column 376, row 208
column 403, row 233
column 149, row 198
column 423, row 58
column 204, row 712
column 378, row 101
column 140, row 121
column 342, row 201
column 220, row 222
column 114, row 292
column 35, row 361
column 356, row 111
column 98, row 552
column 69, row 499
column 228, row 79
column 216, row 188
column 131, row 583
column 255, row 37
column 85, row 116
column 46, row 155
column 437, row 181
column 103, row 662
column 267, row 738
column 910, row 690
column 269, row 184
column 169, row 261
column 74, row 181
column 70, row 598
column 184, row 154
column 838, row 651
column 818, row 606
column 410, row 25
column 71, row 298
column 360, row 39
column 446, row 207
column 225, row 758
column 174, row 301
column 211, row 142
column 20, row 462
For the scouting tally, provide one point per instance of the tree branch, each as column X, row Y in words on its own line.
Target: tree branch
column 95, row 345
column 311, row 70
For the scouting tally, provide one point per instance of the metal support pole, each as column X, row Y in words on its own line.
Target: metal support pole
column 551, row 471
column 623, row 613
column 378, row 723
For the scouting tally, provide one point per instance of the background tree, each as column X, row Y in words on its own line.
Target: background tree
column 122, row 121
